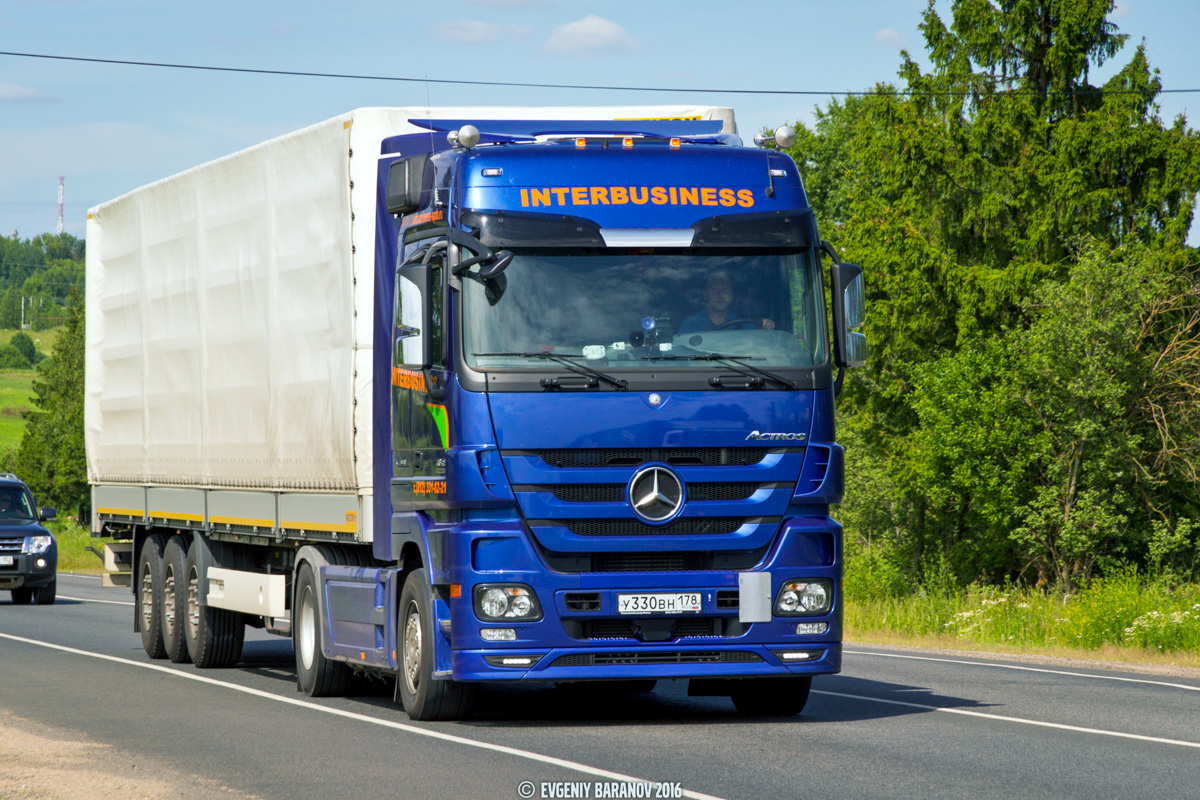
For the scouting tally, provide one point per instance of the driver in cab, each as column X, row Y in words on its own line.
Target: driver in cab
column 717, row 313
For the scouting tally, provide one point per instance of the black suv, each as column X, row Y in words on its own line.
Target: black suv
column 28, row 553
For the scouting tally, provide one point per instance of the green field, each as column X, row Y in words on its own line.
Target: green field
column 42, row 340
column 16, row 391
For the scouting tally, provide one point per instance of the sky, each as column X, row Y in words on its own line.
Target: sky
column 109, row 128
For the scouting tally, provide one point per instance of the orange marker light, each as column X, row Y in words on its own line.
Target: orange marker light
column 456, row 590
column 628, row 141
column 581, row 142
column 674, row 144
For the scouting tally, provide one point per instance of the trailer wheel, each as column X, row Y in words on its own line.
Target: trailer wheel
column 149, row 595
column 214, row 636
column 22, row 596
column 44, row 595
column 771, row 697
column 174, row 599
column 316, row 675
column 423, row 697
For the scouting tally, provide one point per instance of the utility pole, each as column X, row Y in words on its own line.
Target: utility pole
column 61, row 180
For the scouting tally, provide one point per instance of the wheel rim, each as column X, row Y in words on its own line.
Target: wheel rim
column 147, row 596
column 412, row 648
column 169, row 600
column 308, row 628
column 193, row 604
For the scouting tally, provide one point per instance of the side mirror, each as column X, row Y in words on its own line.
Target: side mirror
column 48, row 515
column 413, row 345
column 849, row 314
column 498, row 264
column 405, row 183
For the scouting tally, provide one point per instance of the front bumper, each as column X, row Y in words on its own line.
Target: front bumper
column 569, row 644
column 24, row 571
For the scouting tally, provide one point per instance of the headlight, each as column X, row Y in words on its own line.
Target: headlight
column 36, row 544
column 507, row 602
column 802, row 598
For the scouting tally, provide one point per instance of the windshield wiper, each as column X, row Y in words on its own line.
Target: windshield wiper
column 580, row 369
column 736, row 361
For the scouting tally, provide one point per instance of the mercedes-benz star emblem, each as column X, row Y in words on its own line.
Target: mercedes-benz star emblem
column 655, row 493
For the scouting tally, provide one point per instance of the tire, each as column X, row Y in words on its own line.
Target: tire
column 214, row 636
column 44, row 595
column 148, row 597
column 22, row 596
column 771, row 697
column 174, row 599
column 316, row 675
column 424, row 698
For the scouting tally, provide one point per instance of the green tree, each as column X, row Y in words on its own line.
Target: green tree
column 51, row 457
column 963, row 192
column 10, row 310
column 23, row 343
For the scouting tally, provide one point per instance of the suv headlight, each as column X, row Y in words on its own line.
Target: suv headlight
column 36, row 544
column 804, row 598
column 499, row 601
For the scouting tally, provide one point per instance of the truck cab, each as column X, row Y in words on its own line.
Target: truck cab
column 612, row 377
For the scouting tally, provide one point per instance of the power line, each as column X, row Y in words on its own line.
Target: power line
column 581, row 87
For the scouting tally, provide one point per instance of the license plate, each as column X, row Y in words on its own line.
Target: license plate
column 673, row 603
column 6, row 561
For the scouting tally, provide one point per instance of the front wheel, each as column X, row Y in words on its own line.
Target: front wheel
column 316, row 675
column 771, row 697
column 44, row 595
column 423, row 697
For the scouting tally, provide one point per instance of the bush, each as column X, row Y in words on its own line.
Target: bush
column 24, row 343
column 12, row 358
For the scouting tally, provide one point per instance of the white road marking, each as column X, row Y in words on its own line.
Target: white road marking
column 90, row 600
column 1019, row 720
column 1025, row 669
column 499, row 748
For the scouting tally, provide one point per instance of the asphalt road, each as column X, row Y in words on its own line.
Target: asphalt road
column 893, row 724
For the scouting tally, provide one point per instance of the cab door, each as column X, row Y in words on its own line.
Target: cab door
column 419, row 420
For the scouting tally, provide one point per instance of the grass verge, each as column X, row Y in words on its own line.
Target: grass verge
column 73, row 538
column 1124, row 617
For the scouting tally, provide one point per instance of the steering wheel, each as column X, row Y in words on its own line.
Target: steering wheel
column 757, row 323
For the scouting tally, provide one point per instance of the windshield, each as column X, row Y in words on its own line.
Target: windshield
column 647, row 308
column 14, row 504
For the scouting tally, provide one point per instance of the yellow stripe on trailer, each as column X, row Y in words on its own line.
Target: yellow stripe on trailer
column 124, row 512
column 177, row 515
column 318, row 526
column 247, row 521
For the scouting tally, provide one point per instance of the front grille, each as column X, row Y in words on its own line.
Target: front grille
column 582, row 601
column 11, row 545
column 684, row 526
column 720, row 491
column 590, row 492
column 660, row 657
column 633, row 456
column 728, row 598
column 615, row 492
column 675, row 628
column 688, row 561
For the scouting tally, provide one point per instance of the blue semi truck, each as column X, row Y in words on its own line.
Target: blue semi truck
column 455, row 396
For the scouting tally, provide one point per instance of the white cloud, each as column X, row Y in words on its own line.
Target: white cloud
column 14, row 93
column 890, row 37
column 591, row 36
column 473, row 31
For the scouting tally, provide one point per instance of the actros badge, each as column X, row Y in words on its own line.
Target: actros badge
column 776, row 437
